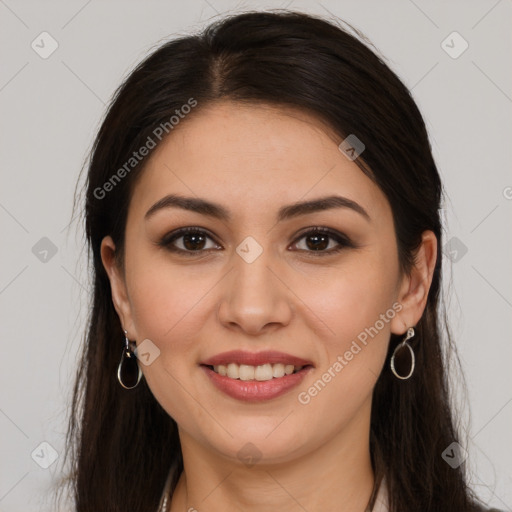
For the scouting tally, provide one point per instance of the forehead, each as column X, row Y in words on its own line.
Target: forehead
column 258, row 156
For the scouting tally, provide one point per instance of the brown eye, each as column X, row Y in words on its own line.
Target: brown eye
column 188, row 240
column 317, row 242
column 193, row 241
column 322, row 241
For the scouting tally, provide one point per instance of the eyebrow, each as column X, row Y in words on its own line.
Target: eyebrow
column 217, row 211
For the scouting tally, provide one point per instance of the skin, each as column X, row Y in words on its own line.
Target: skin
column 254, row 159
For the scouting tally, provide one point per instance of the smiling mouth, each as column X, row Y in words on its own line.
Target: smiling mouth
column 262, row 372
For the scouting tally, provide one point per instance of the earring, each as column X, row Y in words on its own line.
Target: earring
column 128, row 370
column 400, row 346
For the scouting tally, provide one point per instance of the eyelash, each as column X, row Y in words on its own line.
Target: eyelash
column 342, row 240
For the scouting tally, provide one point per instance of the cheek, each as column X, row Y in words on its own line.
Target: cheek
column 353, row 297
column 164, row 296
column 166, row 306
column 171, row 305
column 356, row 304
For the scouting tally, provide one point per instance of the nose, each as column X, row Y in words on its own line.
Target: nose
column 255, row 298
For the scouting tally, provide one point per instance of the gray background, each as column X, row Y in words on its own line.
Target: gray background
column 51, row 109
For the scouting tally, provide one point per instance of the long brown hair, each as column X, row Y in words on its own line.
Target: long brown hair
column 122, row 444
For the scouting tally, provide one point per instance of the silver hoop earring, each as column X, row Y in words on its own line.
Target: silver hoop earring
column 400, row 346
column 128, row 370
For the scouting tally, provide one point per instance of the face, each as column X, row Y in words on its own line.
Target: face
column 253, row 276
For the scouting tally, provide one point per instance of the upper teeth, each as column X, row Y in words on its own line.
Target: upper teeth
column 262, row 372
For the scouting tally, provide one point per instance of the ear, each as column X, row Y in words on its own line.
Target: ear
column 118, row 285
column 414, row 288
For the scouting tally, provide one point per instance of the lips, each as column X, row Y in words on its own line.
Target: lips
column 259, row 386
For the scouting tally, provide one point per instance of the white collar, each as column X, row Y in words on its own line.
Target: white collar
column 381, row 501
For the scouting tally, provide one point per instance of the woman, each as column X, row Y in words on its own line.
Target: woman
column 262, row 211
